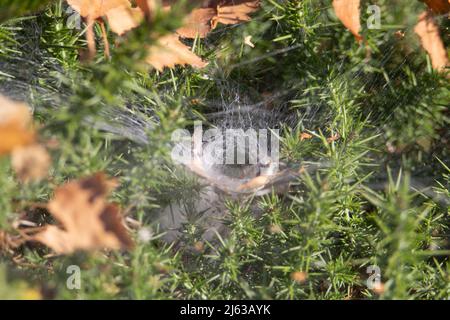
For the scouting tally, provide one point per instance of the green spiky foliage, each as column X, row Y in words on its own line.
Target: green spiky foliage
column 379, row 200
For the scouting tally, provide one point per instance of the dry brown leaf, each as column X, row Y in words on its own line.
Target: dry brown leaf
column 202, row 20
column 170, row 51
column 197, row 23
column 123, row 19
column 96, row 8
column 428, row 32
column 305, row 136
column 30, row 162
column 234, row 11
column 348, row 12
column 438, row 6
column 88, row 221
column 15, row 125
column 119, row 13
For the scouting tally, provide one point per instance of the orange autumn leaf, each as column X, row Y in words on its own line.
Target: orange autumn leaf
column 438, row 6
column 305, row 136
column 428, row 32
column 348, row 12
column 197, row 23
column 202, row 20
column 119, row 13
column 234, row 11
column 123, row 19
column 88, row 221
column 15, row 125
column 170, row 51
column 96, row 8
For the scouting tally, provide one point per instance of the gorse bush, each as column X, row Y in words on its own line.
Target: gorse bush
column 364, row 122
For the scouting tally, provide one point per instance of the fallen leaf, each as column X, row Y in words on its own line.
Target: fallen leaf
column 234, row 11
column 119, row 13
column 30, row 163
column 348, row 12
column 438, row 6
column 197, row 23
column 95, row 8
column 123, row 19
column 305, row 136
column 428, row 32
column 202, row 20
column 170, row 51
column 15, row 125
column 88, row 221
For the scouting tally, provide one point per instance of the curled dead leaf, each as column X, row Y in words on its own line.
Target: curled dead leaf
column 202, row 20
column 88, row 221
column 234, row 11
column 430, row 38
column 348, row 12
column 197, row 23
column 123, row 19
column 119, row 13
column 305, row 136
column 170, row 51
